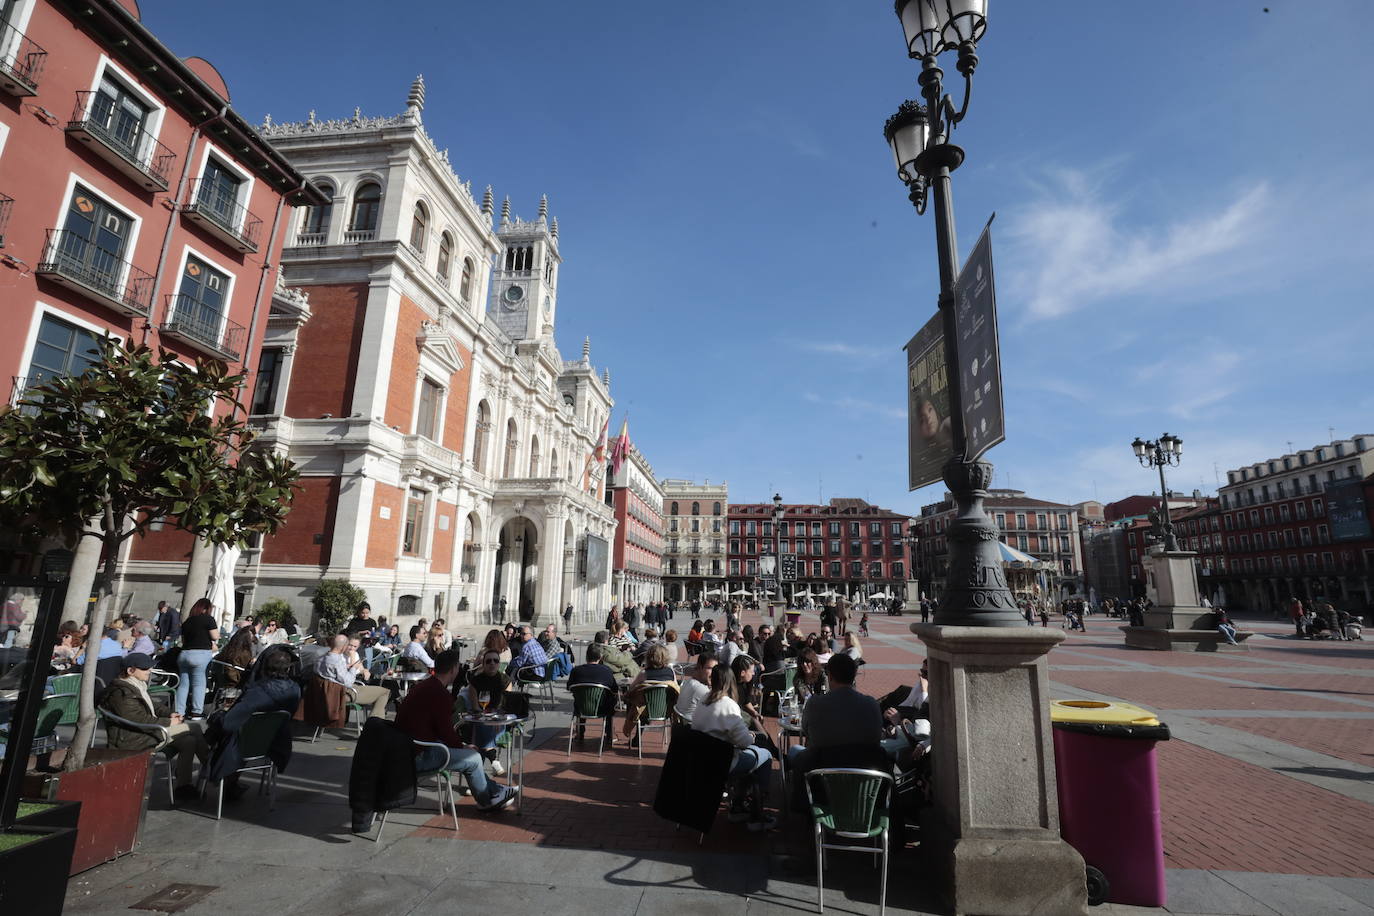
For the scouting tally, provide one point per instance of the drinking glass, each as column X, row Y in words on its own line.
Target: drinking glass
column 484, row 701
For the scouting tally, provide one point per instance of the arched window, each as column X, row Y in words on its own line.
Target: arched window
column 445, row 257
column 672, row 510
column 479, row 439
column 534, row 456
column 696, row 508
column 315, row 228
column 715, row 508
column 553, row 462
column 465, row 282
column 367, row 204
column 512, row 446
column 419, row 226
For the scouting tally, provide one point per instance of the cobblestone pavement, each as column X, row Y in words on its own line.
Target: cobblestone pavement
column 1267, row 797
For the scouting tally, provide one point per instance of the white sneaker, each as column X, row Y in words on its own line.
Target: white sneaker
column 497, row 767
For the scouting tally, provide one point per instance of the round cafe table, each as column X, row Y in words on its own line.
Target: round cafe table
column 511, row 723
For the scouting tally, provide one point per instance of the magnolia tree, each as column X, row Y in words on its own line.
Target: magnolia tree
column 135, row 439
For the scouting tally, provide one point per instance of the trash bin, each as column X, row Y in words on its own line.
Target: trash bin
column 1106, row 774
column 794, row 618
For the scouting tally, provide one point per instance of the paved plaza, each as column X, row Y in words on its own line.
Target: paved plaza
column 1267, row 789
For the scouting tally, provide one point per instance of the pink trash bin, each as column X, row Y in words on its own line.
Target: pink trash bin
column 1107, row 778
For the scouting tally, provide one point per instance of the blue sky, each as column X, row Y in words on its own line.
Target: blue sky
column 1182, row 241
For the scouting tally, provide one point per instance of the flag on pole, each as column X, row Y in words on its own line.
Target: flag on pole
column 597, row 455
column 621, row 450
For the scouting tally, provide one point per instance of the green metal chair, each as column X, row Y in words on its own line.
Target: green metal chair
column 852, row 804
column 778, row 683
column 658, row 711
column 255, row 740
column 163, row 683
column 156, row 732
column 50, row 715
column 443, row 781
column 587, row 699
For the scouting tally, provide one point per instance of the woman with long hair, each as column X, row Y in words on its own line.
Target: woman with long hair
column 496, row 642
column 852, row 647
column 810, row 675
column 438, row 639
column 720, row 716
column 199, row 634
column 238, row 654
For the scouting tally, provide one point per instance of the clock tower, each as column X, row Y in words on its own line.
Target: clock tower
column 524, row 287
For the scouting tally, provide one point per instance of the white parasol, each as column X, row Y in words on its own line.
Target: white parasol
column 221, row 593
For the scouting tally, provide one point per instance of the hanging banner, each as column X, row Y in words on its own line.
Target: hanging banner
column 930, row 440
column 980, row 361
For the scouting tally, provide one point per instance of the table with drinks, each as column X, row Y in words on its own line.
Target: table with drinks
column 513, row 725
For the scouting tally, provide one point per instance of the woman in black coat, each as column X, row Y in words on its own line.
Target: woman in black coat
column 268, row 687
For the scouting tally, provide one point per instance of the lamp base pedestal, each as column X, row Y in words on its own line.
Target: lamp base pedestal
column 992, row 835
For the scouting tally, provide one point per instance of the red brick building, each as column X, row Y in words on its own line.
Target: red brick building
column 637, row 552
column 136, row 203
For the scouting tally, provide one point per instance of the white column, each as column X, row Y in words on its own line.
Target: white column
column 375, row 351
column 353, row 517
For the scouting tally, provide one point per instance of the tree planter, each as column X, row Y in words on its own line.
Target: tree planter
column 113, row 791
column 48, row 814
column 33, row 873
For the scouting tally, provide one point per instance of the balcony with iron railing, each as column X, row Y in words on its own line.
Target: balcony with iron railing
column 72, row 260
column 6, row 205
column 123, row 144
column 219, row 213
column 203, row 327
column 21, row 62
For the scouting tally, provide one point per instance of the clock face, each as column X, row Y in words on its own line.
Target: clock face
column 514, row 295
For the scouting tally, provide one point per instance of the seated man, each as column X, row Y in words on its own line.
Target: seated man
column 618, row 660
column 841, row 721
column 773, row 648
column 559, row 652
column 414, row 657
column 595, row 672
column 488, row 679
column 343, row 666
column 426, row 714
column 531, row 655
column 651, row 639
column 268, row 686
column 655, row 671
column 110, row 646
column 128, row 698
column 695, row 686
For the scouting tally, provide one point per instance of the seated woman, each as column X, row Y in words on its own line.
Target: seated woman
column 670, row 643
column 128, row 698
column 391, row 638
column 852, row 647
column 720, row 716
column 238, row 654
column 621, row 638
column 438, row 639
column 818, row 645
column 694, row 634
column 746, row 681
column 268, row 687
column 64, row 652
column 488, row 679
column 656, row 670
column 810, row 680
column 498, row 642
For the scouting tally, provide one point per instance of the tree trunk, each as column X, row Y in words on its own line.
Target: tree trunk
column 85, row 723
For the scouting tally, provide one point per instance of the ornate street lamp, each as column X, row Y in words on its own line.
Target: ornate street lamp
column 1164, row 451
column 919, row 137
column 913, row 543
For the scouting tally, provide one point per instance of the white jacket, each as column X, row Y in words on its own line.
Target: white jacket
column 724, row 720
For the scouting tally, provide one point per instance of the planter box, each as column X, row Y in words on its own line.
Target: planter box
column 113, row 791
column 49, row 814
column 33, row 875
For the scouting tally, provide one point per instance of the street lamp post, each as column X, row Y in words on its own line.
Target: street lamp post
column 913, row 543
column 919, row 136
column 778, row 514
column 1165, row 450
column 988, row 673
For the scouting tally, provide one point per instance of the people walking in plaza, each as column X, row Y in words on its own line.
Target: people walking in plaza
column 568, row 618
column 426, row 714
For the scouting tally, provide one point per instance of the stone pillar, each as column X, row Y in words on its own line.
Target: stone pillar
column 197, row 576
column 993, row 830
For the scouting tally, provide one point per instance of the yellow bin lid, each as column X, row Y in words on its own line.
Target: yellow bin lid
column 1095, row 712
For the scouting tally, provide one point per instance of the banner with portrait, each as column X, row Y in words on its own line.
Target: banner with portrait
column 930, row 438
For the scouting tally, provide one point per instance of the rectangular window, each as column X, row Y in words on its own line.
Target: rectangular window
column 815, row 529
column 734, row 545
column 836, row 569
column 62, row 349
column 1269, row 515
column 875, row 548
column 1323, row 535
column 856, row 548
column 734, row 567
column 1273, row 539
column 427, row 416
column 896, row 529
column 875, row 570
column 1001, row 520
column 835, row 548
column 818, row 547
column 1063, row 521
column 1288, row 539
column 265, row 386
column 1293, row 564
column 834, row 529
column 816, row 567
column 801, row 548
column 783, row 529
column 1021, row 520
column 1316, row 507
column 875, row 529
column 413, row 537
column 768, row 529
column 1306, row 535
column 1063, row 543
column 218, row 194
column 696, row 525
column 856, row 569
column 120, row 117
column 751, row 567
column 715, row 526
column 93, row 242
column 1283, row 512
column 1040, row 521
column 751, row 528
column 1300, row 510
column 1021, row 542
column 200, row 303
column 751, row 546
column 898, row 570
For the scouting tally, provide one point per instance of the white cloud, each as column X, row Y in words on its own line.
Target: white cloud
column 852, row 404
column 847, row 350
column 1074, row 247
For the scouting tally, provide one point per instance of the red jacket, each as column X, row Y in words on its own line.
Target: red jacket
column 426, row 714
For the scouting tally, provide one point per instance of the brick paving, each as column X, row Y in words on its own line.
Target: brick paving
column 1349, row 739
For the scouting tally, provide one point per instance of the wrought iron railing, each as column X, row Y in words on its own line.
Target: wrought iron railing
column 97, row 116
column 193, row 320
column 21, row 58
column 70, row 256
column 220, row 205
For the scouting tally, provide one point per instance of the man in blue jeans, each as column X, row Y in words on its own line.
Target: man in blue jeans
column 426, row 714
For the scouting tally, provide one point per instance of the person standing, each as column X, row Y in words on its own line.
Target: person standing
column 168, row 623
column 567, row 618
column 199, row 633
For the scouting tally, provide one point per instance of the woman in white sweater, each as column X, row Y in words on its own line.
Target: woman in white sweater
column 720, row 716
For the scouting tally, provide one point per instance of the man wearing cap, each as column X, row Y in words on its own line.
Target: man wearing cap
column 128, row 698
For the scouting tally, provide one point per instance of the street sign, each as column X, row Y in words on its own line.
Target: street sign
column 980, row 362
column 930, row 440
column 770, row 583
column 788, row 567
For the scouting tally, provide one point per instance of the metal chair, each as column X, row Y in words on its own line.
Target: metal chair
column 163, row 682
column 443, row 774
column 778, row 683
column 152, row 730
column 255, row 740
column 216, row 677
column 587, row 700
column 853, row 804
column 658, row 711
column 528, row 677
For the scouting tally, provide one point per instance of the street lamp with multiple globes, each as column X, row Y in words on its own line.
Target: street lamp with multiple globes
column 977, row 594
column 1165, row 450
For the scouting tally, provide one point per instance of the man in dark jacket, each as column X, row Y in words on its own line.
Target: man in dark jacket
column 270, row 687
column 128, row 698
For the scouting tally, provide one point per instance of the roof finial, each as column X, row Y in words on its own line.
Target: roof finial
column 416, row 99
column 553, row 230
column 544, row 206
column 606, row 378
column 505, row 210
column 487, row 205
column 586, row 348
